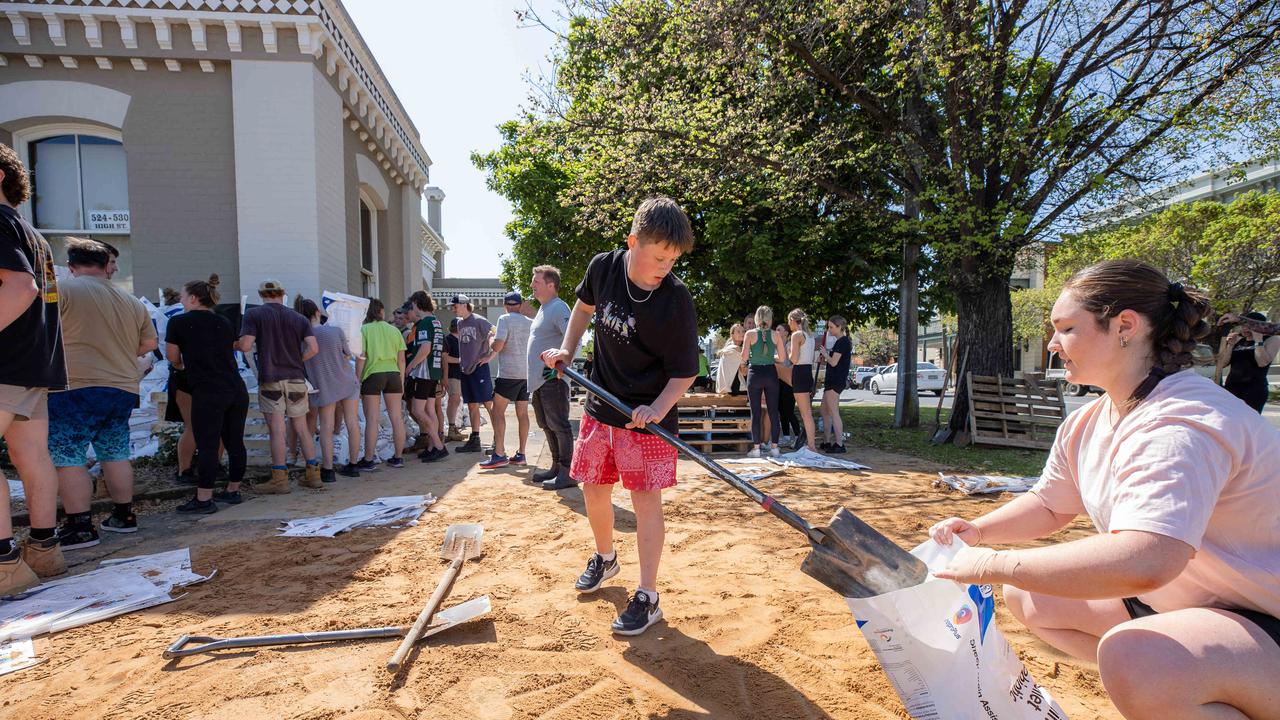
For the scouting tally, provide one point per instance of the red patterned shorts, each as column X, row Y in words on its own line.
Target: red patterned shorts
column 605, row 454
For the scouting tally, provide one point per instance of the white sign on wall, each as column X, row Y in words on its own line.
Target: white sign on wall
column 117, row 220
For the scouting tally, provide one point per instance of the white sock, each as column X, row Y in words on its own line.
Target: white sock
column 608, row 557
column 651, row 594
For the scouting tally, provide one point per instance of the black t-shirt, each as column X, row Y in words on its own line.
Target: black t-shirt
column 452, row 347
column 838, row 374
column 31, row 346
column 639, row 346
column 206, row 340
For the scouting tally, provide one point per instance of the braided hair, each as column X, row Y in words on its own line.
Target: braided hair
column 1176, row 313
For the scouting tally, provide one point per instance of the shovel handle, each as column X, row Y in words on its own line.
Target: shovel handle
column 424, row 618
column 775, row 508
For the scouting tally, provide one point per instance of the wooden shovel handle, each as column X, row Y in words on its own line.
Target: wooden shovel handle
column 424, row 617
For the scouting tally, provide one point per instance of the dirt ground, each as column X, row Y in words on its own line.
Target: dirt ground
column 747, row 635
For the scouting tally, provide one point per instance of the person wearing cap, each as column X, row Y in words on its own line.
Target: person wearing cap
column 284, row 341
column 474, row 354
column 1249, row 354
column 510, row 344
column 453, row 381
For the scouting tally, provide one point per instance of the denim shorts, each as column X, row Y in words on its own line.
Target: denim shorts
column 97, row 416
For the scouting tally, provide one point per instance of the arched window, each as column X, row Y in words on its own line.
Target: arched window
column 79, row 183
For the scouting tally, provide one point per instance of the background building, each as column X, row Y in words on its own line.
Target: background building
column 251, row 138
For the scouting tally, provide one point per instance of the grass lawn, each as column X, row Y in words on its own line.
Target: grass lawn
column 872, row 426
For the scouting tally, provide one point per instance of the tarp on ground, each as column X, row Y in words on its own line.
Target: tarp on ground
column 401, row 510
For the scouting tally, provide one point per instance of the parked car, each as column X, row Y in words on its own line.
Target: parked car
column 861, row 377
column 1202, row 361
column 928, row 377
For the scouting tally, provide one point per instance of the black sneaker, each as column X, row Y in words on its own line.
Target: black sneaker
column 472, row 445
column 198, row 507
column 186, row 477
column 367, row 466
column 824, row 447
column 74, row 537
column 395, row 463
column 641, row 612
column 837, row 450
column 596, row 573
column 228, row 497
column 349, row 470
column 550, row 473
column 328, row 475
column 117, row 524
column 432, row 454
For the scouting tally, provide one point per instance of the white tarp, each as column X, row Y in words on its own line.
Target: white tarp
column 15, row 490
column 985, row 484
column 383, row 511
column 346, row 312
column 802, row 458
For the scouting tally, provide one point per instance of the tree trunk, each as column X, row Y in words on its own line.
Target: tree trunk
column 906, row 406
column 986, row 330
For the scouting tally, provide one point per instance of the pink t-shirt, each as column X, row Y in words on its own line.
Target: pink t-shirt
column 1191, row 462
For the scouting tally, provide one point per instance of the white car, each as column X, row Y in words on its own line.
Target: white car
column 928, row 377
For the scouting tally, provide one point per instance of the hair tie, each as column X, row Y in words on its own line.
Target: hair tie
column 1176, row 293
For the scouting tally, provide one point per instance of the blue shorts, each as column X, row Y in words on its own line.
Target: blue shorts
column 476, row 386
column 97, row 416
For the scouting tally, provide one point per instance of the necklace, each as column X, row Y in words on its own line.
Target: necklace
column 627, row 264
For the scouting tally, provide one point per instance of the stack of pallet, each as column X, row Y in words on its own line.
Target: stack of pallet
column 255, row 428
column 715, row 423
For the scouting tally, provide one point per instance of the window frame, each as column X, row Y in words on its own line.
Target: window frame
column 369, row 276
column 22, row 140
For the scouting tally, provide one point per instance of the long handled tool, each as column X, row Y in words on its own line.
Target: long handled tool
column 461, row 543
column 848, row 555
column 445, row 619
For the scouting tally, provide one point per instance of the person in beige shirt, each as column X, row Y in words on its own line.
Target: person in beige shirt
column 104, row 332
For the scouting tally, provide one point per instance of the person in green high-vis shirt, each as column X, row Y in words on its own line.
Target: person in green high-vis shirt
column 381, row 371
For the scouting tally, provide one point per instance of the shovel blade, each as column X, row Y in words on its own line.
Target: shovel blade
column 855, row 560
column 455, row 536
column 460, row 613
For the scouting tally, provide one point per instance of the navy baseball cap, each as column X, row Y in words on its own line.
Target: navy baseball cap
column 512, row 298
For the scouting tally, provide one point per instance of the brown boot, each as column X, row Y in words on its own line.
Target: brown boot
column 311, row 478
column 15, row 575
column 277, row 485
column 419, row 444
column 44, row 557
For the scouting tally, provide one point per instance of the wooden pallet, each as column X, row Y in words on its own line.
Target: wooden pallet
column 1014, row 412
column 712, row 429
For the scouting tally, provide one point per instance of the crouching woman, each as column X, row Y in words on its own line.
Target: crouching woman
column 1176, row 597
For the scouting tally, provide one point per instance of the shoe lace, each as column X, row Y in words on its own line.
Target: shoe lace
column 638, row 604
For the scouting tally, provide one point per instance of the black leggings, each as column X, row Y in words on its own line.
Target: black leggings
column 787, row 410
column 762, row 383
column 219, row 417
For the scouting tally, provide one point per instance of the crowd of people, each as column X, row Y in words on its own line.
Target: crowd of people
column 778, row 370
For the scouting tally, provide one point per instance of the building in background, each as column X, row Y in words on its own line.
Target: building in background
column 247, row 138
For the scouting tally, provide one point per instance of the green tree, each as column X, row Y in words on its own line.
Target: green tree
column 875, row 345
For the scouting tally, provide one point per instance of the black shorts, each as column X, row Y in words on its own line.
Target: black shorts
column 383, row 383
column 802, row 379
column 513, row 390
column 1270, row 626
column 837, row 384
column 421, row 388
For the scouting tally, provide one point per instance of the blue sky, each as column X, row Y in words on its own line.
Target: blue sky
column 459, row 68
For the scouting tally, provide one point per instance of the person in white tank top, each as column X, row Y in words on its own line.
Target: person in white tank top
column 801, row 352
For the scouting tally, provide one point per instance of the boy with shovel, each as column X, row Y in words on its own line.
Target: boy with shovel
column 646, row 353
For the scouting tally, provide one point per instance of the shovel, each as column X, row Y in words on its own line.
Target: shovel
column 461, row 543
column 848, row 555
column 456, row 615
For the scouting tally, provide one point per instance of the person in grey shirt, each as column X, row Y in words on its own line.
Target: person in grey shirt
column 510, row 344
column 549, row 391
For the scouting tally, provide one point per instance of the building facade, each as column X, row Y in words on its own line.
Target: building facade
column 247, row 138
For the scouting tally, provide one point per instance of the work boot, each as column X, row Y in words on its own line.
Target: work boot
column 455, row 435
column 44, row 557
column 15, row 574
column 419, row 444
column 560, row 482
column 471, row 445
column 277, row 485
column 548, row 474
column 311, row 478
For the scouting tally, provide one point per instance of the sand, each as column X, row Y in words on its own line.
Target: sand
column 747, row 635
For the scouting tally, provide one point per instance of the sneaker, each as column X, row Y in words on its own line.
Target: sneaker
column 495, row 461
column 518, row 459
column 367, row 466
column 117, row 524
column 596, row 573
column 836, row 450
column 799, row 443
column 559, row 482
column 641, row 612
column 774, row 451
column 349, row 470
column 471, row 445
column 550, row 473
column 198, row 507
column 74, row 537
column 328, row 475
column 395, row 463
column 824, row 446
column 186, row 477
column 228, row 497
column 755, row 452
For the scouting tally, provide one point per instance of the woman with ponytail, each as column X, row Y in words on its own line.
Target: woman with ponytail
column 202, row 343
column 1176, row 597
